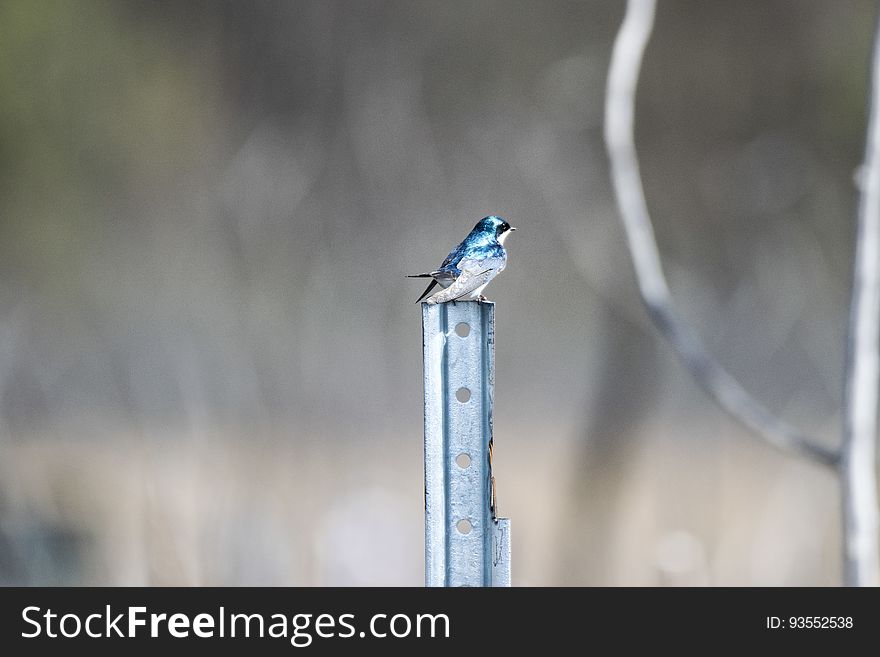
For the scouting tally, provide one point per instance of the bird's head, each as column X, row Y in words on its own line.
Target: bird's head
column 495, row 226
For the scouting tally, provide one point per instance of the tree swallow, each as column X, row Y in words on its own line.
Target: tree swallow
column 471, row 265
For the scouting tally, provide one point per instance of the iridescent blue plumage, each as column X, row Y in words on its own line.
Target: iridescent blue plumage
column 472, row 264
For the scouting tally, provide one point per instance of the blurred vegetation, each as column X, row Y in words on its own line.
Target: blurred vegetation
column 210, row 358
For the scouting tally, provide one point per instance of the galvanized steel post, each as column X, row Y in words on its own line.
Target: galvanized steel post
column 465, row 544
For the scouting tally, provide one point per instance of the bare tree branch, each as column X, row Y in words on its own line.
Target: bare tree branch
column 623, row 75
column 858, row 469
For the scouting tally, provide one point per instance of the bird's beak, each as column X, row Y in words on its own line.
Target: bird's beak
column 512, row 228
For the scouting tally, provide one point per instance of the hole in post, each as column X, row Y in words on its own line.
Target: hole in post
column 462, row 394
column 463, row 329
column 463, row 460
column 464, row 526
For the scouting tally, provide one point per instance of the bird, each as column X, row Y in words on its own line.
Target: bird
column 471, row 265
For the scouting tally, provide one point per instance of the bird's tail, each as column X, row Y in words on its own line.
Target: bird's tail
column 428, row 289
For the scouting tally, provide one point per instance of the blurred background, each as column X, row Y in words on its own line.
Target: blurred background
column 210, row 359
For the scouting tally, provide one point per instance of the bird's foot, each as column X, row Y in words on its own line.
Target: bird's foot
column 481, row 298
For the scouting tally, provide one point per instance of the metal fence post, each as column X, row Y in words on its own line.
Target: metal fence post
column 465, row 544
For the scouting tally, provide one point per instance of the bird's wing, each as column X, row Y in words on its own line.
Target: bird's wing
column 474, row 274
column 455, row 256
